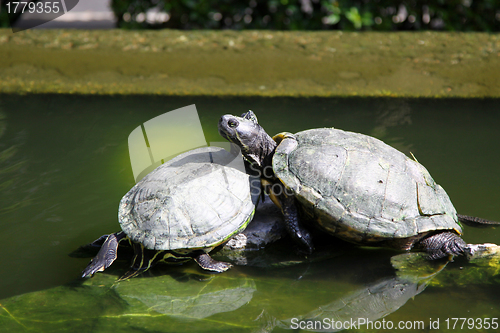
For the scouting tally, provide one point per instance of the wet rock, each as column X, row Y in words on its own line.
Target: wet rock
column 266, row 228
column 265, row 243
column 479, row 251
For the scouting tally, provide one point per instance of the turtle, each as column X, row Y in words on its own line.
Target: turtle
column 180, row 211
column 352, row 186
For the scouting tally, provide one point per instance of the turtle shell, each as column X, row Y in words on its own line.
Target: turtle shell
column 192, row 201
column 361, row 189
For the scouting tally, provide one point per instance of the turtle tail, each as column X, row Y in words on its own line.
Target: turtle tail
column 476, row 221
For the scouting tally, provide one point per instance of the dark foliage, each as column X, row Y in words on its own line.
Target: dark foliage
column 380, row 15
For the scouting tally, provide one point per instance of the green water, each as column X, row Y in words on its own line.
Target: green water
column 64, row 166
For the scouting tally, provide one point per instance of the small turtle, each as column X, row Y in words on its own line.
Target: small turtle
column 353, row 186
column 181, row 211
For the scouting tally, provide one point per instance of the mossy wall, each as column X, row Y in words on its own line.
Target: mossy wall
column 263, row 63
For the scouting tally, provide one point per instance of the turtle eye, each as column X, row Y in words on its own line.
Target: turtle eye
column 232, row 123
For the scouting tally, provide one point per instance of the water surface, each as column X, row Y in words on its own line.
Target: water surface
column 64, row 166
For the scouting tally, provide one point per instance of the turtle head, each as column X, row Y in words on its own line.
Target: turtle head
column 245, row 131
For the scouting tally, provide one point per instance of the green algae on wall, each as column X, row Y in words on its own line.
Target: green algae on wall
column 250, row 63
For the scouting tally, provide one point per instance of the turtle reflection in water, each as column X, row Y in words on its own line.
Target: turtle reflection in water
column 353, row 186
column 181, row 211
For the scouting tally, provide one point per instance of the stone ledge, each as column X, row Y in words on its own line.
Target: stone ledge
column 250, row 63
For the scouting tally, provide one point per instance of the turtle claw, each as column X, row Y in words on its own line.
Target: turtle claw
column 105, row 257
column 305, row 249
column 223, row 266
column 91, row 269
column 207, row 263
column 442, row 245
column 294, row 227
column 304, row 238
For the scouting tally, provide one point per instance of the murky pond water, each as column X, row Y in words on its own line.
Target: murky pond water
column 64, row 166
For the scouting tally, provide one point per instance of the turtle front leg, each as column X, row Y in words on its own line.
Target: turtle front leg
column 443, row 244
column 293, row 225
column 106, row 255
column 209, row 264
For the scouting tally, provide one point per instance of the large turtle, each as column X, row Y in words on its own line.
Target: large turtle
column 354, row 186
column 181, row 211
